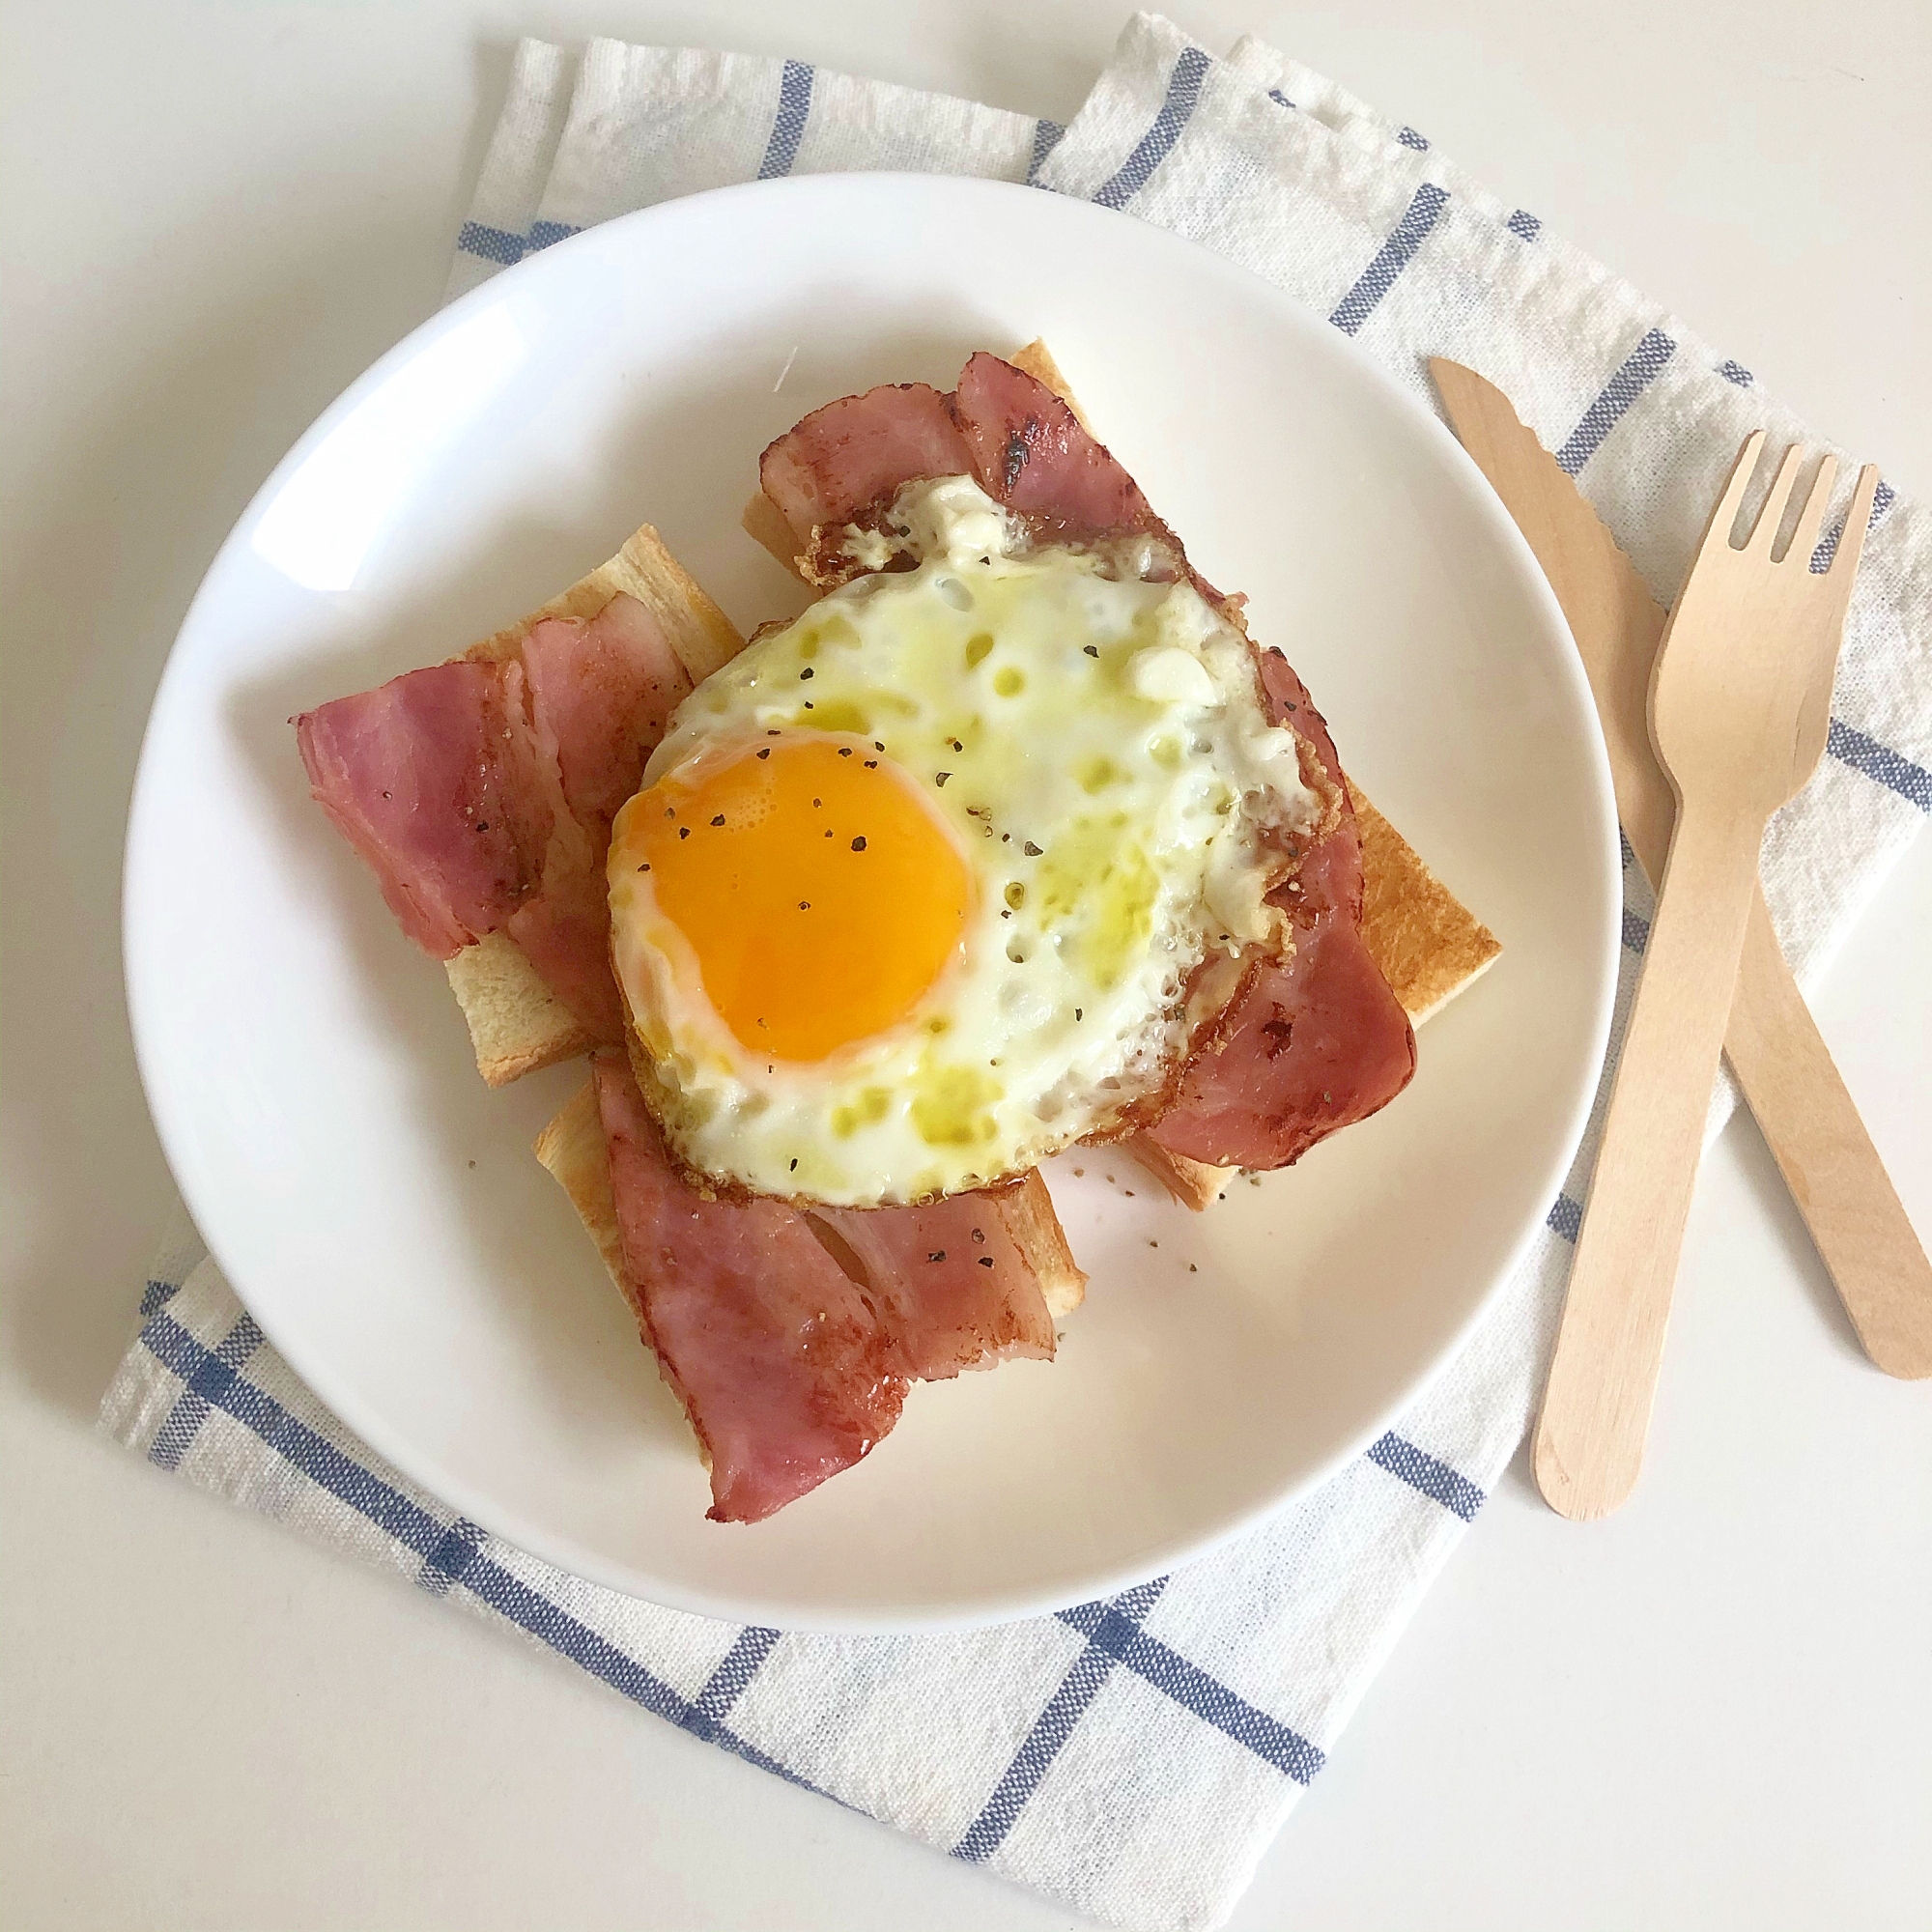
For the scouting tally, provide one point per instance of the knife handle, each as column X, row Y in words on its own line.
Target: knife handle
column 1813, row 1126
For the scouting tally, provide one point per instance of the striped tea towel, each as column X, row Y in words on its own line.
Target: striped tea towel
column 1129, row 1758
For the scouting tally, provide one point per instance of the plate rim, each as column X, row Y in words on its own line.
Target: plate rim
column 141, row 986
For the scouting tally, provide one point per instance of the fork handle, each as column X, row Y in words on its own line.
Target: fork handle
column 1597, row 1404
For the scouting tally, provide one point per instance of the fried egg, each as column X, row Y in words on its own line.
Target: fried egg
column 917, row 885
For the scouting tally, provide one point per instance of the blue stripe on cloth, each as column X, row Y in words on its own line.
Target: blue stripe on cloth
column 1183, row 93
column 1524, row 225
column 1629, row 850
column 411, row 1525
column 500, row 246
column 1639, row 369
column 1422, row 1471
column 1410, row 138
column 1879, row 764
column 1424, row 210
column 1826, row 548
column 735, row 1670
column 494, row 245
column 449, row 1561
column 1565, row 1218
column 1045, row 138
column 213, row 1375
column 1636, row 932
column 1736, row 372
column 788, row 125
column 1052, row 1728
column 158, row 1295
column 1193, row 1690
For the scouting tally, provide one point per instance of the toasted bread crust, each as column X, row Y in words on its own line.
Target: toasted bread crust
column 571, row 1146
column 517, row 1025
column 1027, row 1211
column 1429, row 945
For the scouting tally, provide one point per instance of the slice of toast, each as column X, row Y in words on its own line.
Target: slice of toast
column 1428, row 944
column 571, row 1146
column 516, row 1023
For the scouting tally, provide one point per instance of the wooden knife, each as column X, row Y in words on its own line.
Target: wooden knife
column 1789, row 1081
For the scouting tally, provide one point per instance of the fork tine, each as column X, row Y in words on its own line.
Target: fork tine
column 1805, row 532
column 1718, row 531
column 1778, row 501
column 1851, row 545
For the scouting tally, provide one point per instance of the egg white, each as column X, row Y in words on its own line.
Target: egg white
column 1097, row 746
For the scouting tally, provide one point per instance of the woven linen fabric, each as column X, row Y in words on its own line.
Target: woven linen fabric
column 1132, row 1758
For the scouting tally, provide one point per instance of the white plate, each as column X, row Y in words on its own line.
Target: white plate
column 379, row 1211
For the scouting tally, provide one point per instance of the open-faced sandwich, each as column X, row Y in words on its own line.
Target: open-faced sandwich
column 1013, row 842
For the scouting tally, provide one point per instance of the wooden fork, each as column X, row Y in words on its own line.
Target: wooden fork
column 1740, row 703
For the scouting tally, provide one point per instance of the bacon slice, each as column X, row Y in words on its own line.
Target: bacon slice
column 564, row 932
column 785, row 1370
column 848, row 458
column 434, row 780
column 481, row 792
column 600, row 696
column 790, row 1334
column 952, row 1283
column 843, row 464
column 1031, row 453
column 1310, row 1043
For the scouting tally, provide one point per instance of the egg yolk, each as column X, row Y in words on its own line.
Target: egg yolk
column 820, row 891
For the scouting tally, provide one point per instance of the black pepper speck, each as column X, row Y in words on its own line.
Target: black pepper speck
column 858, row 843
column 684, row 832
column 718, row 818
column 1031, row 849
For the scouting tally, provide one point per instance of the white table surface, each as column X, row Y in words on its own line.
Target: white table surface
column 1712, row 1712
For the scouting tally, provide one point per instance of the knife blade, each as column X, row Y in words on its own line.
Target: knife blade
column 1784, row 1067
